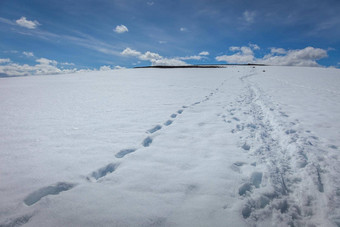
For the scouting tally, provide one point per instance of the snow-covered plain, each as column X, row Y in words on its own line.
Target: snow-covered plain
column 236, row 146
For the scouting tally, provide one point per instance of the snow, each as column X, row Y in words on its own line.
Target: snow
column 235, row 146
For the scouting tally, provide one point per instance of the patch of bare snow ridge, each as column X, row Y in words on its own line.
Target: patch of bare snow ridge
column 235, row 146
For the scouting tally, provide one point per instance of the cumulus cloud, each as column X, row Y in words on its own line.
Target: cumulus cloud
column 28, row 54
column 154, row 58
column 104, row 68
column 121, row 29
column 45, row 61
column 204, row 53
column 278, row 56
column 23, row 22
column 150, row 56
column 130, row 52
column 44, row 66
column 238, row 58
column 302, row 57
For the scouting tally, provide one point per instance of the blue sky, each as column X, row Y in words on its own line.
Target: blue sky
column 47, row 36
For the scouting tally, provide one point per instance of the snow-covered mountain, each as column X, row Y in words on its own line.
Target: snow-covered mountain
column 236, row 146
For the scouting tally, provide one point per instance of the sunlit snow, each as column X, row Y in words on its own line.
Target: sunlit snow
column 236, row 146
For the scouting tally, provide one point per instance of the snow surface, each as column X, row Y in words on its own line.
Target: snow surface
column 236, row 146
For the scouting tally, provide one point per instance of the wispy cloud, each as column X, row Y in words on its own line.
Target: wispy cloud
column 182, row 29
column 28, row 54
column 4, row 60
column 249, row 16
column 121, row 29
column 193, row 57
column 204, row 53
column 274, row 50
column 23, row 22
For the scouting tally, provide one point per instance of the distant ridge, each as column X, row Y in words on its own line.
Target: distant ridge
column 196, row 66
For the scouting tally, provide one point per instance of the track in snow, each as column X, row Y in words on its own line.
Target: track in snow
column 96, row 175
column 293, row 180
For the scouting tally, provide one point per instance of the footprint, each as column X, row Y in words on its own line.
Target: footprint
column 236, row 119
column 284, row 114
column 320, row 184
column 168, row 122
column 49, row 190
column 290, row 131
column 173, row 115
column 147, row 141
column 239, row 163
column 154, row 129
column 102, row 172
column 256, row 179
column 124, row 152
column 246, row 187
column 333, row 147
column 246, row 147
column 180, row 111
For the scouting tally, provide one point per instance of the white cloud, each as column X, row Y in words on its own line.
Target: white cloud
column 119, row 67
column 194, row 57
column 121, row 29
column 162, row 42
column 249, row 16
column 204, row 53
column 254, row 46
column 130, row 52
column 183, row 29
column 274, row 50
column 104, row 68
column 233, row 48
column 44, row 66
column 167, row 62
column 45, row 61
column 300, row 57
column 66, row 63
column 150, row 3
column 238, row 58
column 246, row 51
column 23, row 22
column 28, row 54
column 150, row 56
column 154, row 58
column 4, row 60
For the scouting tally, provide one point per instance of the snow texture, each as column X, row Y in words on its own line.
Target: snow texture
column 235, row 146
